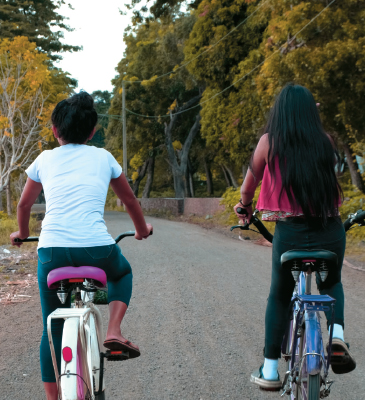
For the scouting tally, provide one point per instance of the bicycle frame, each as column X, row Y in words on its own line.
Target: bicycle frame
column 306, row 350
column 82, row 338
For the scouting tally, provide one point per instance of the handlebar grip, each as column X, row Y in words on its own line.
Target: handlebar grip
column 359, row 217
column 242, row 211
column 28, row 239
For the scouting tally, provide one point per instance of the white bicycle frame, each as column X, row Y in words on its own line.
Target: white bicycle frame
column 83, row 326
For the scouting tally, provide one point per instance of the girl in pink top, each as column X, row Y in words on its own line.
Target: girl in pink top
column 295, row 162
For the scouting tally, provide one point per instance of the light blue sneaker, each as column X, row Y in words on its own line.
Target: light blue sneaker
column 266, row 384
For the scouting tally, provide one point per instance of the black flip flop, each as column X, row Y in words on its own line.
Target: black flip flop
column 115, row 345
column 342, row 361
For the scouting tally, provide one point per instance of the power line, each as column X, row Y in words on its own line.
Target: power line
column 205, row 51
column 234, row 83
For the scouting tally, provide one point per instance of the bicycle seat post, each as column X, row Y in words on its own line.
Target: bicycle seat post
column 308, row 281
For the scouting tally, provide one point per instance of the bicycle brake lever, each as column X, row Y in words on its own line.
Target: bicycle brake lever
column 242, row 227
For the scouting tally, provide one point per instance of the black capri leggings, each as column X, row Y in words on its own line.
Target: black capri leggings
column 298, row 233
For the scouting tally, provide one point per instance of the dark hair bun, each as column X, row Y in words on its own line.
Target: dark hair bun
column 75, row 118
column 82, row 100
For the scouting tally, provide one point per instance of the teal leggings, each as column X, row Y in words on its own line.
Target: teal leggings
column 108, row 258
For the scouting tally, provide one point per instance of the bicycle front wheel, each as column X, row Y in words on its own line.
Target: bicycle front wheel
column 314, row 387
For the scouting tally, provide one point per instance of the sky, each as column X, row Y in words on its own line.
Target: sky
column 98, row 27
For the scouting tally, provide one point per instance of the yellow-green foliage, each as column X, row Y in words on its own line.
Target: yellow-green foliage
column 3, row 216
column 231, row 198
column 354, row 200
column 9, row 224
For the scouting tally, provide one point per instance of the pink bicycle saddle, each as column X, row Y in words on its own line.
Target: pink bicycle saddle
column 64, row 273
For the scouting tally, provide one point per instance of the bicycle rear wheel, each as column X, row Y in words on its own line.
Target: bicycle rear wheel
column 100, row 396
column 314, row 387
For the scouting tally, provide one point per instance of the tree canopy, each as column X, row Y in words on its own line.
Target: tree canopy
column 29, row 91
column 239, row 54
column 35, row 19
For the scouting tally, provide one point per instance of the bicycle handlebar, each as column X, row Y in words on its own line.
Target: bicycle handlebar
column 254, row 220
column 358, row 217
column 28, row 239
column 123, row 235
column 117, row 239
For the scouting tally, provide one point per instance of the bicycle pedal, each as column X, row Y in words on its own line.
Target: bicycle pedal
column 339, row 358
column 117, row 355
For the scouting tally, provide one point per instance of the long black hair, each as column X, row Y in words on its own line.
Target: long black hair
column 75, row 118
column 306, row 155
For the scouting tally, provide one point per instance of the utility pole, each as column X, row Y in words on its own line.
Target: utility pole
column 124, row 131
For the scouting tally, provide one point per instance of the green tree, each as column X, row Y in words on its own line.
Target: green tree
column 35, row 20
column 102, row 102
column 153, row 49
column 229, row 121
column 327, row 57
column 29, row 90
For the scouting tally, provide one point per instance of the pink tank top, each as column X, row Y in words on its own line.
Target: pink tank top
column 268, row 202
column 270, row 193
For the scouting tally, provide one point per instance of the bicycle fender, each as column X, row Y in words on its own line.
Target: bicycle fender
column 68, row 383
column 313, row 336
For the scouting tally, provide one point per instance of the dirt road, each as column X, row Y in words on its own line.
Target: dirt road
column 197, row 314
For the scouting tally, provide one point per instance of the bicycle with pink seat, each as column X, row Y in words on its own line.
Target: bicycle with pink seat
column 82, row 360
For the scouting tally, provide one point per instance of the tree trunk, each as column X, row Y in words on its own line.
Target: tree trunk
column 226, row 176
column 1, row 201
column 150, row 173
column 355, row 175
column 244, row 170
column 186, row 184
column 189, row 184
column 233, row 179
column 8, row 198
column 179, row 170
column 208, row 173
column 141, row 174
column 179, row 184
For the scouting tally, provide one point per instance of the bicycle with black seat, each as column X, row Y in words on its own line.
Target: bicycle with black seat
column 308, row 360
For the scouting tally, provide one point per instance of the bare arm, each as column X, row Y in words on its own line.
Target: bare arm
column 124, row 192
column 30, row 193
column 254, row 176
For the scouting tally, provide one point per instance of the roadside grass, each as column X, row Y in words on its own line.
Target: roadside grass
column 9, row 224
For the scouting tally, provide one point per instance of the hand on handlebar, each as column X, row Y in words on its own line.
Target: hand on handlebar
column 245, row 213
column 145, row 235
column 16, row 235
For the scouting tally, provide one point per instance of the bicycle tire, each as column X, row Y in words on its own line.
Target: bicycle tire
column 314, row 387
column 100, row 396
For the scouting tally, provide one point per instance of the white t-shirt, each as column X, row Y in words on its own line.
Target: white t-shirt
column 75, row 180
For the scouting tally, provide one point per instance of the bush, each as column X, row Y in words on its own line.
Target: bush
column 353, row 201
column 231, row 197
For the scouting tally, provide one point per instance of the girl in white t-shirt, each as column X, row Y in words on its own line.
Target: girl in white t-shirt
column 75, row 179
